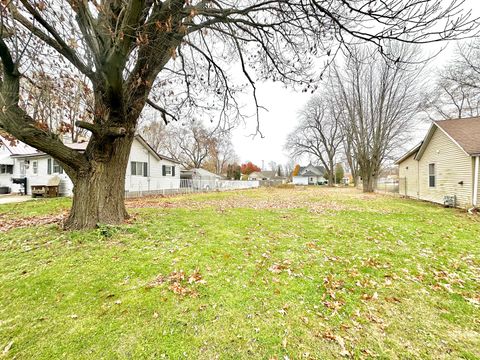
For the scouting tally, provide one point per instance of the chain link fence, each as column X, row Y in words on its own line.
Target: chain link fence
column 388, row 186
column 188, row 186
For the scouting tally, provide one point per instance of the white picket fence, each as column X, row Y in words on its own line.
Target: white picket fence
column 188, row 186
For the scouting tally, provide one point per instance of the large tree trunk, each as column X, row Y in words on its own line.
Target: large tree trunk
column 331, row 174
column 99, row 193
column 369, row 183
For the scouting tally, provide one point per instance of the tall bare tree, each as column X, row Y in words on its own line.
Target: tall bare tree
column 222, row 153
column 457, row 90
column 379, row 100
column 318, row 134
column 192, row 143
column 173, row 55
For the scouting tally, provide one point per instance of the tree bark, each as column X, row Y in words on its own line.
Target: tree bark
column 369, row 183
column 99, row 192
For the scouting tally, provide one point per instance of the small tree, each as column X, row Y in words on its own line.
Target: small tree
column 279, row 171
column 339, row 172
column 233, row 172
column 296, row 170
column 249, row 168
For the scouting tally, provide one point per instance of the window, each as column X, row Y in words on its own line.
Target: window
column 35, row 167
column 431, row 175
column 23, row 168
column 6, row 169
column 168, row 170
column 138, row 168
column 54, row 167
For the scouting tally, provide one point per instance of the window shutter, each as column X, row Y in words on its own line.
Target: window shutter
column 60, row 169
column 164, row 170
column 145, row 169
column 173, row 170
column 49, row 166
column 132, row 167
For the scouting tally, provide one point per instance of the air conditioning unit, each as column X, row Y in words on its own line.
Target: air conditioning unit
column 450, row 201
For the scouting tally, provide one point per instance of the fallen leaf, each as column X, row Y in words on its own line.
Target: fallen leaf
column 7, row 348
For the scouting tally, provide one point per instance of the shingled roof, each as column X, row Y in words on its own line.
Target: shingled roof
column 465, row 132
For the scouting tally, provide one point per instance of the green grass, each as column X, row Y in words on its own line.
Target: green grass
column 302, row 273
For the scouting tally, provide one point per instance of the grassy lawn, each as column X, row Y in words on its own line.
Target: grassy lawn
column 267, row 274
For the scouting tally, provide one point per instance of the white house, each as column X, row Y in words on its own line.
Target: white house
column 147, row 171
column 9, row 149
column 310, row 175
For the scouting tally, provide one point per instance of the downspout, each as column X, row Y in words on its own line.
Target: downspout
column 148, row 171
column 475, row 182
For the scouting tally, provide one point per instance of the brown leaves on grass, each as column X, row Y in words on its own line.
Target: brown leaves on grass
column 315, row 200
column 8, row 224
column 179, row 282
column 340, row 341
column 277, row 268
column 332, row 286
column 374, row 263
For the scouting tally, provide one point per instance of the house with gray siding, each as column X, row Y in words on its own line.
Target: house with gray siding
column 445, row 164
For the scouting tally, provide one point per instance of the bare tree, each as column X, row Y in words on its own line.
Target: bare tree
column 190, row 143
column 318, row 134
column 222, row 153
column 457, row 90
column 156, row 135
column 379, row 100
column 173, row 55
column 349, row 152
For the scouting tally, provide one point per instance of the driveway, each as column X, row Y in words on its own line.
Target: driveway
column 7, row 199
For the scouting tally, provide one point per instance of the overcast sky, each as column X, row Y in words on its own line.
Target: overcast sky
column 284, row 104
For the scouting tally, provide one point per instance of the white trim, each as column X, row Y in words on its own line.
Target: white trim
column 475, row 181
column 408, row 154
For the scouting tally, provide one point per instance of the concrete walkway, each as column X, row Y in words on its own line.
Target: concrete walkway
column 8, row 199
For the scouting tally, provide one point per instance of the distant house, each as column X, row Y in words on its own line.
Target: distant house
column 198, row 178
column 445, row 165
column 7, row 162
column 147, row 171
column 267, row 178
column 310, row 175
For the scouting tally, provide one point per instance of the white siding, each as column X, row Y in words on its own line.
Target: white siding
column 452, row 166
column 408, row 174
column 155, row 180
column 478, row 187
column 300, row 180
column 42, row 176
